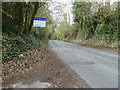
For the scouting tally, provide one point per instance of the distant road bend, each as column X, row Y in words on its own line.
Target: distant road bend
column 99, row 68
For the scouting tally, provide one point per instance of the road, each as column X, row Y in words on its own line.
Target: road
column 99, row 68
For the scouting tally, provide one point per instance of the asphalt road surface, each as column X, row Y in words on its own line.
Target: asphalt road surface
column 99, row 68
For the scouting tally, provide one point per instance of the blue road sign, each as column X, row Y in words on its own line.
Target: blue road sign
column 39, row 22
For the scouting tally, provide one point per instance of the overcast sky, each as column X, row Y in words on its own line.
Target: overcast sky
column 65, row 6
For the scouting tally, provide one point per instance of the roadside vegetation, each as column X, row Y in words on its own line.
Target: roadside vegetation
column 19, row 35
column 95, row 24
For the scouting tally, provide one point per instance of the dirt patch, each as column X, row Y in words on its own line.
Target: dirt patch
column 98, row 44
column 42, row 65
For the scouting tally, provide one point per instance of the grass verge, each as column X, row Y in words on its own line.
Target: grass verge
column 99, row 44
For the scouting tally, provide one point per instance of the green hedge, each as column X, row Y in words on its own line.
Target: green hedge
column 13, row 45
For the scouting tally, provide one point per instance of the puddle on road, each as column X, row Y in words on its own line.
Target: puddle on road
column 36, row 84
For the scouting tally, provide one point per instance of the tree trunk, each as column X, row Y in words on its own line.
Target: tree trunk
column 21, row 16
column 33, row 15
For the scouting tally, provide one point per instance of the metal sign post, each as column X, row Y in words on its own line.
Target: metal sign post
column 39, row 22
column 38, row 37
